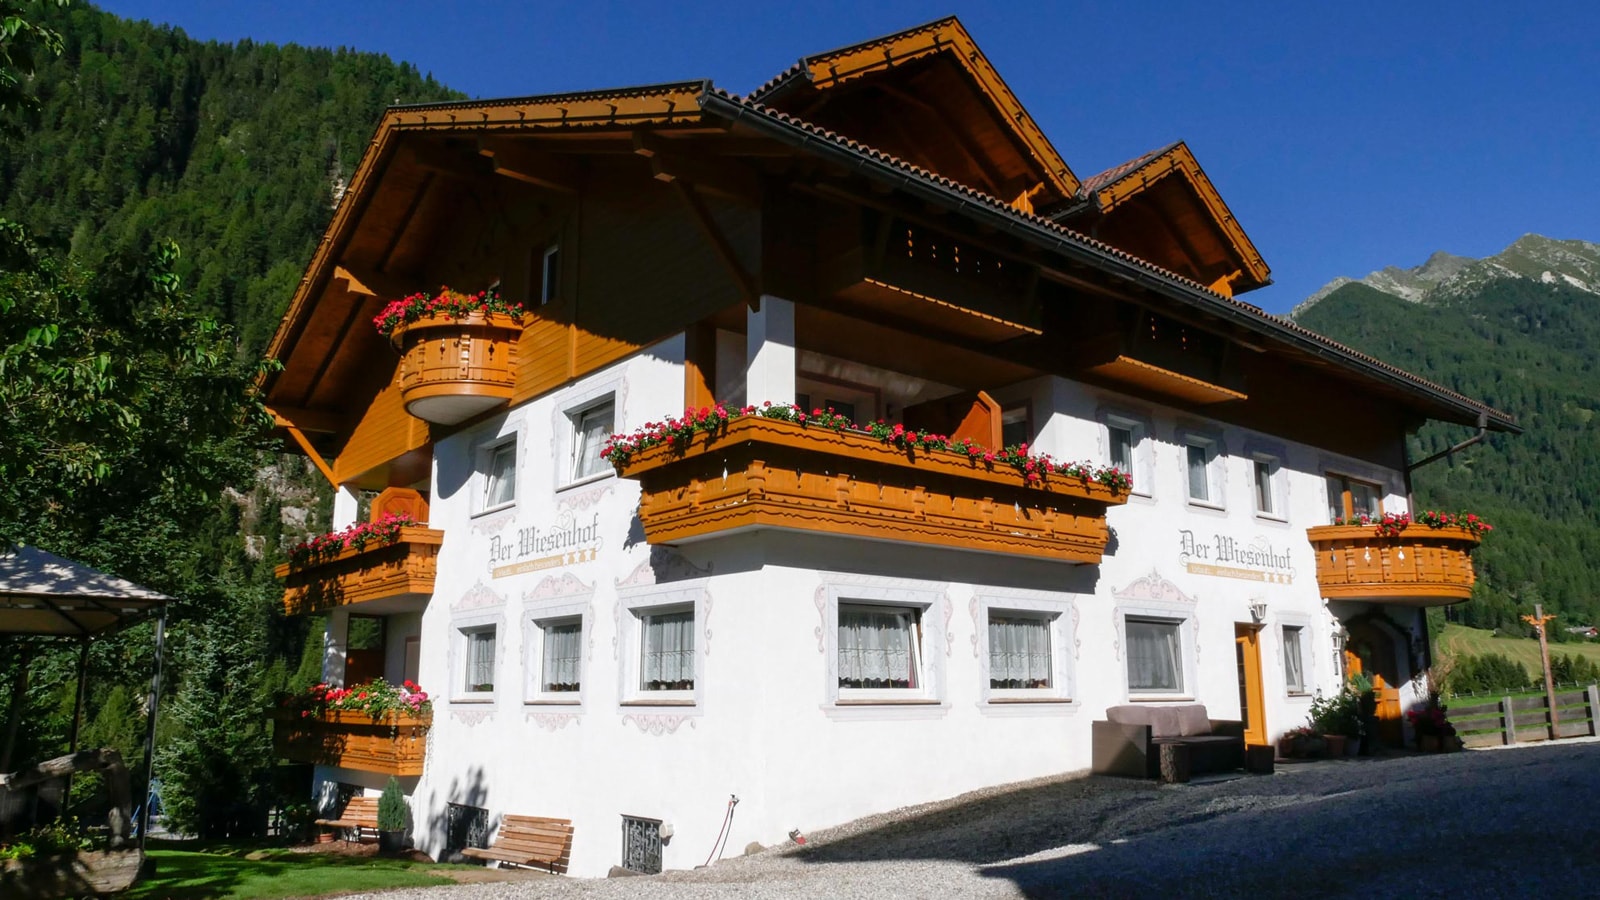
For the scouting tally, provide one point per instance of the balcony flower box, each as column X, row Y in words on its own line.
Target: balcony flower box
column 1416, row 566
column 392, row 744
column 753, row 472
column 401, row 571
column 458, row 352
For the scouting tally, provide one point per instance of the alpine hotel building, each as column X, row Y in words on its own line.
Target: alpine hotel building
column 816, row 621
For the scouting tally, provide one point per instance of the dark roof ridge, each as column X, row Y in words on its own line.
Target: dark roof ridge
column 773, row 84
column 642, row 90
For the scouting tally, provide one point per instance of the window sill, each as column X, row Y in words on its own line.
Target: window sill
column 887, row 701
column 1000, row 701
column 1272, row 517
column 1299, row 695
column 610, row 472
column 543, row 701
column 1204, row 504
column 494, row 509
column 1161, row 698
column 662, row 702
column 472, row 699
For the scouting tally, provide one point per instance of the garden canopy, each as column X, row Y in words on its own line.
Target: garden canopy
column 43, row 594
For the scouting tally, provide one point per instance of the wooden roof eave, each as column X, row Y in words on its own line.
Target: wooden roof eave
column 847, row 64
column 663, row 104
column 1180, row 159
column 1138, row 275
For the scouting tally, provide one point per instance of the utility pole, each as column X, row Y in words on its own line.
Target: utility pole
column 1538, row 620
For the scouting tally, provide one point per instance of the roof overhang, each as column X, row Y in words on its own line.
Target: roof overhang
column 1432, row 400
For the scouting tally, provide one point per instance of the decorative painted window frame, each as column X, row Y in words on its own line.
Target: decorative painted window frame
column 564, row 419
column 933, row 602
column 1308, row 656
column 1277, row 455
column 460, row 624
column 632, row 604
column 1062, row 610
column 534, row 619
column 1144, row 449
column 483, row 450
column 1216, row 465
column 1169, row 604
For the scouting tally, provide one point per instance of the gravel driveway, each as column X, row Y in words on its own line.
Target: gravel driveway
column 1520, row 822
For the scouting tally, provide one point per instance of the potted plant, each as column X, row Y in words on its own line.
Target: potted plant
column 391, row 819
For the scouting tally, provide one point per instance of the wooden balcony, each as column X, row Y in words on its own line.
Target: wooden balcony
column 452, row 369
column 396, row 577
column 764, row 473
column 394, row 745
column 1422, row 567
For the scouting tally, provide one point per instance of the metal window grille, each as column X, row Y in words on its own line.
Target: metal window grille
column 641, row 844
column 465, row 826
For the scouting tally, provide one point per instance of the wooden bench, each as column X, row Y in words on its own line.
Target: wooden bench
column 529, row 841
column 360, row 813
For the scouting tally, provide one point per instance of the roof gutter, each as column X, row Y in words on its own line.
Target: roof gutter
column 1015, row 224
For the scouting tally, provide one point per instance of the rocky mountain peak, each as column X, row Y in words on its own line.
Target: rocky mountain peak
column 1572, row 263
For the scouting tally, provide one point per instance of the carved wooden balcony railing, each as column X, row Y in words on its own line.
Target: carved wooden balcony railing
column 765, row 473
column 401, row 573
column 393, row 745
column 454, row 368
column 1421, row 567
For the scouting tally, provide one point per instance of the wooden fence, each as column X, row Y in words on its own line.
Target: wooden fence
column 1511, row 720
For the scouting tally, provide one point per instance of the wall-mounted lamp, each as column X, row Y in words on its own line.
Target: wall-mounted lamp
column 1258, row 610
column 1338, row 638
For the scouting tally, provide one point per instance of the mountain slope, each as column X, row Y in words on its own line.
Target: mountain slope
column 233, row 150
column 1500, row 331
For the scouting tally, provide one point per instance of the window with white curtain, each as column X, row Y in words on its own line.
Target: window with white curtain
column 1294, row 674
column 499, row 471
column 1019, row 651
column 666, row 650
column 1155, row 656
column 561, row 656
column 1265, row 470
column 1197, row 459
column 592, row 426
column 878, row 648
column 480, row 652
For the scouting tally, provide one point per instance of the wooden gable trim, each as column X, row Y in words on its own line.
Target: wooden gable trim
column 946, row 35
column 1180, row 160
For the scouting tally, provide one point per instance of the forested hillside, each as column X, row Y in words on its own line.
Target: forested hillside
column 132, row 443
column 1529, row 346
column 235, row 151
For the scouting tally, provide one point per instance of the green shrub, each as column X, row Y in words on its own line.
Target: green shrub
column 392, row 807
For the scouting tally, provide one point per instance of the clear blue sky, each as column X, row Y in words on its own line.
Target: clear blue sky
column 1343, row 139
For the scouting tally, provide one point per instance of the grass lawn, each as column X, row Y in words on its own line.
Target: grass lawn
column 190, row 870
column 1459, row 640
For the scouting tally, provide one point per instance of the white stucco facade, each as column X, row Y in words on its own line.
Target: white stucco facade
column 765, row 719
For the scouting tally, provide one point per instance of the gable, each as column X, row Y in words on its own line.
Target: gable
column 929, row 96
column 1162, row 207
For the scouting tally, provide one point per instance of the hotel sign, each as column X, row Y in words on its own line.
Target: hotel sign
column 1226, row 557
column 565, row 542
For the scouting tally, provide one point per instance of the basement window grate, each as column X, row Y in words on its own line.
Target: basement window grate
column 465, row 826
column 641, row 844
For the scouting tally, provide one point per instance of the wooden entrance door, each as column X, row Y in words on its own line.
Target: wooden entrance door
column 1252, row 697
column 1376, row 652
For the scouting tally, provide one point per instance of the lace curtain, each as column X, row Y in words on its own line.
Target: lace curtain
column 1155, row 656
column 593, row 430
column 1293, row 671
column 1019, row 652
column 562, row 654
column 480, row 660
column 877, row 648
column 668, row 660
